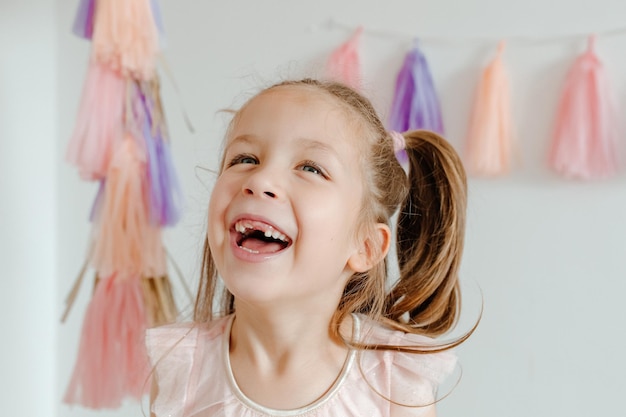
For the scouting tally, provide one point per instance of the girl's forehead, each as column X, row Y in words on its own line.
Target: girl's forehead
column 321, row 104
column 300, row 94
column 304, row 96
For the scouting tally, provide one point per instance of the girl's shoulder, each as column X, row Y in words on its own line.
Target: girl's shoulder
column 181, row 355
column 179, row 336
column 187, row 330
column 402, row 368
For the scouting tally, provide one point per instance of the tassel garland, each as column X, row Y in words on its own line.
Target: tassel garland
column 121, row 140
column 585, row 140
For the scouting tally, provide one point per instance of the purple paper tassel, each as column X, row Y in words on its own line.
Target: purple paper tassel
column 415, row 104
column 158, row 18
column 96, row 206
column 83, row 22
column 165, row 195
column 168, row 182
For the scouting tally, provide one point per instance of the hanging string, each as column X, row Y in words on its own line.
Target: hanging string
column 525, row 40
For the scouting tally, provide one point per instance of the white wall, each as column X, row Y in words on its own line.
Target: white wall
column 28, row 205
column 547, row 253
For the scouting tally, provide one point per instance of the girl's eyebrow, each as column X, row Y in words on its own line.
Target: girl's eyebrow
column 313, row 144
column 242, row 138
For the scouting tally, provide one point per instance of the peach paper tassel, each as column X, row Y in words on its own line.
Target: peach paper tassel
column 490, row 136
column 125, row 238
column 125, row 37
column 344, row 63
column 587, row 129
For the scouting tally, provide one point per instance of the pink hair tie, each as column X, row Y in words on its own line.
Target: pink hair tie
column 399, row 146
column 398, row 141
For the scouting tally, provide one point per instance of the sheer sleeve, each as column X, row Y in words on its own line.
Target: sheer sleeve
column 407, row 379
column 171, row 350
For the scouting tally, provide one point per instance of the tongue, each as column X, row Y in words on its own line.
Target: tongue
column 261, row 246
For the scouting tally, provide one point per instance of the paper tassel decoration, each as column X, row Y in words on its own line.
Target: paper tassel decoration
column 415, row 103
column 125, row 37
column 98, row 129
column 121, row 140
column 165, row 196
column 490, row 136
column 344, row 64
column 112, row 362
column 585, row 137
column 83, row 22
column 125, row 239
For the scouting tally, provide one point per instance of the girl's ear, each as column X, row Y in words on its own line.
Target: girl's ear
column 372, row 249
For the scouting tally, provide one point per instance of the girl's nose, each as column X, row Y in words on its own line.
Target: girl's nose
column 269, row 194
column 262, row 184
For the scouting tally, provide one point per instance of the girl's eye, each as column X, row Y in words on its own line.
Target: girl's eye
column 312, row 167
column 243, row 159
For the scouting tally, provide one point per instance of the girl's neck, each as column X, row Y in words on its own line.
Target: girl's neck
column 285, row 360
column 280, row 333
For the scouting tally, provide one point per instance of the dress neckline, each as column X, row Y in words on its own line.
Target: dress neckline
column 345, row 370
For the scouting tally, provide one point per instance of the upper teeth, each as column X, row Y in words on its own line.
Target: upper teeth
column 243, row 226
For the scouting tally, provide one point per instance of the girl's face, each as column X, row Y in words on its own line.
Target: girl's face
column 284, row 212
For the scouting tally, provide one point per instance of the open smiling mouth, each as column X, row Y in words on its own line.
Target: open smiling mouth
column 259, row 237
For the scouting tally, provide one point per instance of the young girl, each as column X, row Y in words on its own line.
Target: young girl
column 298, row 233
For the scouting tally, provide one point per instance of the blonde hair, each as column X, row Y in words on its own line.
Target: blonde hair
column 430, row 230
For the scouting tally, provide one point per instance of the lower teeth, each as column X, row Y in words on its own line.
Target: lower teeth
column 249, row 250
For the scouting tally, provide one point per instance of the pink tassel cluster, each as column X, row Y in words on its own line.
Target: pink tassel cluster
column 98, row 130
column 344, row 64
column 490, row 135
column 121, row 140
column 112, row 362
column 585, row 137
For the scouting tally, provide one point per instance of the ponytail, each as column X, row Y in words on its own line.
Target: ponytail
column 430, row 236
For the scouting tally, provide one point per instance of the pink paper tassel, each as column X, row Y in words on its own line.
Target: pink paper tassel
column 344, row 64
column 98, row 128
column 585, row 138
column 125, row 37
column 112, row 361
column 490, row 136
column 125, row 239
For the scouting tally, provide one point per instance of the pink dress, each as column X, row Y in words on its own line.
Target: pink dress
column 195, row 379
